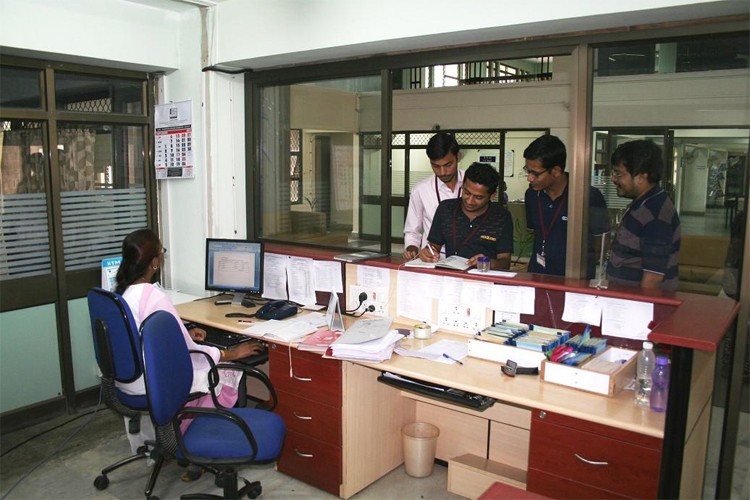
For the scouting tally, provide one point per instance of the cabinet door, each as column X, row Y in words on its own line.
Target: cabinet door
column 312, row 461
column 306, row 374
column 597, row 456
column 320, row 421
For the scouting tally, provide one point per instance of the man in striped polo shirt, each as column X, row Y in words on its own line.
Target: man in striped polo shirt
column 646, row 247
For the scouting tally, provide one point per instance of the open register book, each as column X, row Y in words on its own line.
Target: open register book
column 453, row 262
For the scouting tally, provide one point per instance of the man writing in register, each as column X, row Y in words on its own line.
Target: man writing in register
column 443, row 152
column 646, row 247
column 472, row 226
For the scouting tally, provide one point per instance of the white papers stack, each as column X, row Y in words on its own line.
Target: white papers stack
column 287, row 331
column 377, row 350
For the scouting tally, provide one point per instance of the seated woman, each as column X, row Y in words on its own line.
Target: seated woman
column 142, row 256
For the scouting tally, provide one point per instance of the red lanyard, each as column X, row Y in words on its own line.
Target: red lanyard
column 437, row 191
column 457, row 248
column 554, row 218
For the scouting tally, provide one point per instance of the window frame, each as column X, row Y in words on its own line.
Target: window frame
column 62, row 285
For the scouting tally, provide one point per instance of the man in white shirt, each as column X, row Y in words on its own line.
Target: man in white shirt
column 443, row 152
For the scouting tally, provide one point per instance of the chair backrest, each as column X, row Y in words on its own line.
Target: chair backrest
column 168, row 369
column 117, row 344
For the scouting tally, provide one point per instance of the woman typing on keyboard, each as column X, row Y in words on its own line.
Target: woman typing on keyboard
column 142, row 256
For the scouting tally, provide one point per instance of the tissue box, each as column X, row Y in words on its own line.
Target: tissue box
column 606, row 373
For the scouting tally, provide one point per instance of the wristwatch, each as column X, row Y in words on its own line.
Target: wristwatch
column 512, row 369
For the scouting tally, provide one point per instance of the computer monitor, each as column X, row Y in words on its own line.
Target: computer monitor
column 234, row 266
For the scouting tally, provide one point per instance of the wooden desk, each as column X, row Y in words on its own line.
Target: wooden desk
column 485, row 446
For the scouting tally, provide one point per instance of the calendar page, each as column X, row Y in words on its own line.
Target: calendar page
column 173, row 140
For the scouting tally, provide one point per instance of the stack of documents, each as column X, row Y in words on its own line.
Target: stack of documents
column 376, row 351
column 286, row 330
column 367, row 340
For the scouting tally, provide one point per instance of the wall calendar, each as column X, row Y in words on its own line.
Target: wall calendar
column 173, row 141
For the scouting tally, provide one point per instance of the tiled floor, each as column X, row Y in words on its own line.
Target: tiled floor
column 100, row 441
column 84, row 445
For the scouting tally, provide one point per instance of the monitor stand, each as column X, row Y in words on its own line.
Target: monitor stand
column 240, row 299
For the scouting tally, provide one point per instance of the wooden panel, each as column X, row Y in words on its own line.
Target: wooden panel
column 598, row 429
column 372, row 419
column 311, row 461
column 317, row 420
column 470, row 475
column 311, row 376
column 459, row 433
column 623, row 467
column 694, row 457
column 557, row 487
column 509, row 445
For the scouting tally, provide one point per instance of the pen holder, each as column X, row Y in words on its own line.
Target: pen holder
column 422, row 331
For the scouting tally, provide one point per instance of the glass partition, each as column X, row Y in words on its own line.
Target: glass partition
column 320, row 162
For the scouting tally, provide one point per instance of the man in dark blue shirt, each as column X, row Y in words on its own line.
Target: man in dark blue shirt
column 473, row 226
column 546, row 203
column 646, row 247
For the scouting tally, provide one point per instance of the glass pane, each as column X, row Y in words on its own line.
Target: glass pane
column 24, row 225
column 338, row 166
column 103, row 190
column 20, row 88
column 98, row 94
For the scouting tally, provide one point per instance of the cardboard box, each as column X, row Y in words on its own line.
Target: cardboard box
column 591, row 376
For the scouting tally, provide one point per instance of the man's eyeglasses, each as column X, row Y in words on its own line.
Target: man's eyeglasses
column 616, row 174
column 532, row 173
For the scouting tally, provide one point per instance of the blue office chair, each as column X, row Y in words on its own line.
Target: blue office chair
column 117, row 346
column 218, row 439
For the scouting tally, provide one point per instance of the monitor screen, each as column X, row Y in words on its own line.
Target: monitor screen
column 234, row 266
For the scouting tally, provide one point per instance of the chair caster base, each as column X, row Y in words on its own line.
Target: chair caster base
column 252, row 490
column 101, row 482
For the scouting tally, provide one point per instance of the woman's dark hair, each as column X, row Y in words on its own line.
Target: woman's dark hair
column 138, row 250
column 640, row 157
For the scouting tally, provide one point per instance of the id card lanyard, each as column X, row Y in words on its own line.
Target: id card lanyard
column 437, row 191
column 457, row 248
column 541, row 257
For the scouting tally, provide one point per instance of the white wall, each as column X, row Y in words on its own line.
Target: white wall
column 109, row 32
column 263, row 33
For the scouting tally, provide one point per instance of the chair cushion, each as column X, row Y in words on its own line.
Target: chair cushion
column 216, row 438
column 136, row 402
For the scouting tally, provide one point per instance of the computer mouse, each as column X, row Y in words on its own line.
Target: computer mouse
column 238, row 315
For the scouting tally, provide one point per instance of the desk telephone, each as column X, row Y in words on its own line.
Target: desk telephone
column 276, row 309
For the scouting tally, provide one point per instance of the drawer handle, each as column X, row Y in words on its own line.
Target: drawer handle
column 303, row 455
column 303, row 379
column 302, row 417
column 590, row 462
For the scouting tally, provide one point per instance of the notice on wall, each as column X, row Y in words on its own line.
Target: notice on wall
column 109, row 272
column 173, row 141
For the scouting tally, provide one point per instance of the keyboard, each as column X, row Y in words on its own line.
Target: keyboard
column 437, row 391
column 223, row 339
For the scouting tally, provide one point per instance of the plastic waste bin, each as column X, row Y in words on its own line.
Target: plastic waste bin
column 420, row 441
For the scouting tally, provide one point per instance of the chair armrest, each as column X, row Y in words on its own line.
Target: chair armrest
column 249, row 371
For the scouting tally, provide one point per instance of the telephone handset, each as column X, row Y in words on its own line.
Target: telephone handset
column 276, row 309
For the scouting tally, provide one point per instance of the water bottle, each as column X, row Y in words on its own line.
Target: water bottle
column 660, row 384
column 644, row 369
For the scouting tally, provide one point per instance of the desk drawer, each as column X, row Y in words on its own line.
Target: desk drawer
column 627, row 463
column 312, row 377
column 319, row 421
column 311, row 461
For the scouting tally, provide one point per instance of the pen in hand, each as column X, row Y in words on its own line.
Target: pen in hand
column 453, row 359
column 432, row 252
